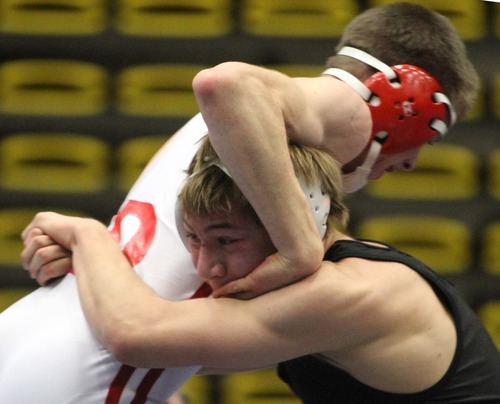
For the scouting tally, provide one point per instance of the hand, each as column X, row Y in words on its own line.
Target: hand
column 43, row 258
column 60, row 228
column 275, row 272
column 48, row 241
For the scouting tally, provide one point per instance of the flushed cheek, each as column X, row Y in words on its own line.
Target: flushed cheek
column 239, row 269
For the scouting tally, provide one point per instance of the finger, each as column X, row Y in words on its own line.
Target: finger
column 243, row 295
column 238, row 287
column 53, row 270
column 27, row 236
column 29, row 228
column 34, row 242
column 38, row 221
column 48, row 263
column 45, row 256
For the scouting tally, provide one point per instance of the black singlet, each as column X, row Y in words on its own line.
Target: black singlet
column 473, row 376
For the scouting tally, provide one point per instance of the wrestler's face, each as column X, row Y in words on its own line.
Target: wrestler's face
column 225, row 247
column 405, row 161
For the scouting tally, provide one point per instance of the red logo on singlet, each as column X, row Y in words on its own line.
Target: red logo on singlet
column 134, row 228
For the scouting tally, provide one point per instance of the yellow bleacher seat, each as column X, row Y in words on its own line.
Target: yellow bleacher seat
column 174, row 18
column 12, row 223
column 493, row 173
column 52, row 87
column 197, row 390
column 256, row 387
column 133, row 155
column 53, row 162
column 9, row 296
column 468, row 16
column 157, row 90
column 52, row 17
column 292, row 18
column 444, row 171
column 489, row 313
column 491, row 248
column 442, row 243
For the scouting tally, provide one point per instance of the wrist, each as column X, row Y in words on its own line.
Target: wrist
column 87, row 230
column 309, row 255
column 298, row 238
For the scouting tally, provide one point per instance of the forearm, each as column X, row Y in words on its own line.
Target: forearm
column 110, row 292
column 247, row 120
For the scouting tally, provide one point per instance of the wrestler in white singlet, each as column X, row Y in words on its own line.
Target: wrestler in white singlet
column 48, row 353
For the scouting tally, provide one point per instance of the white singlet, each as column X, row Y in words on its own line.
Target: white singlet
column 48, row 353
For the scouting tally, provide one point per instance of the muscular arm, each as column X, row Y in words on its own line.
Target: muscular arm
column 381, row 322
column 251, row 113
column 142, row 329
column 246, row 122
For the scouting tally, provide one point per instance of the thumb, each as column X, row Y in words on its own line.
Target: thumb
column 240, row 289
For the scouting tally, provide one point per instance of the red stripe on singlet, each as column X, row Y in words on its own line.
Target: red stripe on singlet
column 123, row 376
column 203, row 291
column 118, row 385
column 147, row 383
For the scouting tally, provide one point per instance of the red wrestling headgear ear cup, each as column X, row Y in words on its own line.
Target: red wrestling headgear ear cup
column 404, row 109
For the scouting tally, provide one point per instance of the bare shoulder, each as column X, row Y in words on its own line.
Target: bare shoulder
column 366, row 295
column 393, row 317
column 382, row 281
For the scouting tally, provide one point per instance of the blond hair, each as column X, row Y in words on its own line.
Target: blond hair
column 209, row 190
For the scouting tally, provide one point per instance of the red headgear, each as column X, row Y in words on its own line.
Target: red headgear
column 407, row 105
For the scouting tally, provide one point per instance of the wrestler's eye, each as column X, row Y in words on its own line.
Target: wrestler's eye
column 226, row 240
column 192, row 238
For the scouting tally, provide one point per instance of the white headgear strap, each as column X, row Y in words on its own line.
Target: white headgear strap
column 358, row 86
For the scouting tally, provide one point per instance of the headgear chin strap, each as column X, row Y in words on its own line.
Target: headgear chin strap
column 407, row 105
column 357, row 179
column 318, row 200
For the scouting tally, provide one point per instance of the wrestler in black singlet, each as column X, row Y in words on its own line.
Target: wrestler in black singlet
column 473, row 376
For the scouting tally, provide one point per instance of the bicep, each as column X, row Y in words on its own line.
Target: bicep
column 227, row 333
column 302, row 112
column 333, row 117
column 311, row 114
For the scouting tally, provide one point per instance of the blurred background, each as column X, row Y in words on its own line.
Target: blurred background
column 90, row 89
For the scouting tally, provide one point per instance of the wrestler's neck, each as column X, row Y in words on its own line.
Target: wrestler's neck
column 333, row 236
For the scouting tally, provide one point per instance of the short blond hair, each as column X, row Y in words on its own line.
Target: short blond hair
column 209, row 190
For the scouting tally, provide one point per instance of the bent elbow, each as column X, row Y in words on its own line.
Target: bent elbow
column 119, row 340
column 216, row 83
